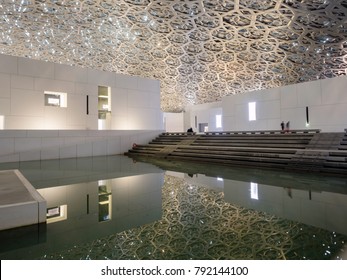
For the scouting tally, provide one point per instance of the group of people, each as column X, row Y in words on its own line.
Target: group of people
column 285, row 127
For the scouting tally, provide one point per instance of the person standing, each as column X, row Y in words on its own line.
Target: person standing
column 282, row 125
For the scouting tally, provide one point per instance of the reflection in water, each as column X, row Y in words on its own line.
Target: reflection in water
column 322, row 209
column 157, row 216
column 56, row 214
column 197, row 223
column 105, row 201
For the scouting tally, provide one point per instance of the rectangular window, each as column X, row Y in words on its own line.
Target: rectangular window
column 251, row 111
column 218, row 121
column 55, row 99
column 104, row 107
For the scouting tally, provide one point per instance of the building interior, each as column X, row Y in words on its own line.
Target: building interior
column 88, row 79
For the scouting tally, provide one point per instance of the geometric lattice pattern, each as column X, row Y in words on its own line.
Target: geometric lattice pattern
column 201, row 50
column 198, row 224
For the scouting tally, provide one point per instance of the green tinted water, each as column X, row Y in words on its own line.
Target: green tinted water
column 150, row 214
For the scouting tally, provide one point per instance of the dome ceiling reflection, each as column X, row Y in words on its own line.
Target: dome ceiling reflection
column 200, row 50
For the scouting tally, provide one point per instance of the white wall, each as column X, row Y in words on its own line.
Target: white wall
column 325, row 99
column 135, row 103
column 174, row 122
column 205, row 113
column 135, row 100
column 235, row 111
column 27, row 145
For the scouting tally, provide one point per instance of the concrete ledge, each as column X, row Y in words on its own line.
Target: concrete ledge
column 20, row 203
column 292, row 131
column 28, row 145
column 259, row 132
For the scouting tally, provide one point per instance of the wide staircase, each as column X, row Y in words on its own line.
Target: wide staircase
column 300, row 150
column 326, row 152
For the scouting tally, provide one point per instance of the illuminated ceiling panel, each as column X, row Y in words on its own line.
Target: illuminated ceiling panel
column 201, row 50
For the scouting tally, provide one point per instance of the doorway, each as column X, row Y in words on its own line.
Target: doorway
column 203, row 127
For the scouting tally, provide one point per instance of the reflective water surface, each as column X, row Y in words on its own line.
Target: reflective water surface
column 118, row 208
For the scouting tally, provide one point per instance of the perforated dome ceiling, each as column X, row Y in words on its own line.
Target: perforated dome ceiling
column 201, row 50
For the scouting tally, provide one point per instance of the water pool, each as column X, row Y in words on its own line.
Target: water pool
column 118, row 208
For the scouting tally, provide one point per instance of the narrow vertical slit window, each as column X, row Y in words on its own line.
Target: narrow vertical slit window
column 307, row 117
column 252, row 111
column 87, row 104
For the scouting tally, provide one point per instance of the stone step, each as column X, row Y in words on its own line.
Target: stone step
column 301, row 151
column 246, row 153
column 325, row 141
column 259, row 144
